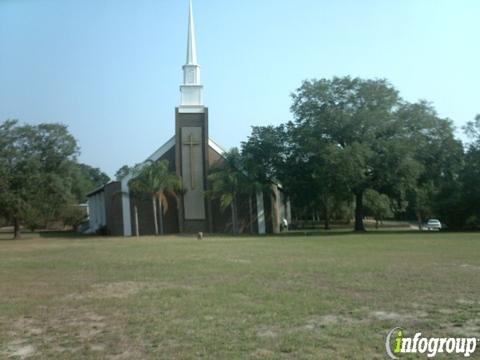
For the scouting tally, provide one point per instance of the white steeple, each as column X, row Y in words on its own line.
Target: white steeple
column 191, row 90
column 192, row 44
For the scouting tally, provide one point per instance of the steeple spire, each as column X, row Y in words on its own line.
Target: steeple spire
column 191, row 90
column 192, row 45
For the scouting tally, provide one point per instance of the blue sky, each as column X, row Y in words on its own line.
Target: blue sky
column 111, row 69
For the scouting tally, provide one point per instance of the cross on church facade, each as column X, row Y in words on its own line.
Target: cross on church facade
column 191, row 143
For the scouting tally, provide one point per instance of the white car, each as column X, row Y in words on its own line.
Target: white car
column 433, row 224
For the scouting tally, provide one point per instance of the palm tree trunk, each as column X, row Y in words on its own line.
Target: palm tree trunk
column 155, row 218
column 161, row 216
column 234, row 217
column 137, row 230
column 16, row 229
column 178, row 200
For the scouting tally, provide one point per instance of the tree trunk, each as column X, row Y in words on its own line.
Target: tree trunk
column 137, row 230
column 155, row 217
column 326, row 224
column 16, row 229
column 359, row 226
column 326, row 214
column 420, row 221
column 250, row 209
column 161, row 216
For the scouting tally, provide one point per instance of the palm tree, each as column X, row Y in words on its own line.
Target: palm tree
column 227, row 181
column 224, row 184
column 156, row 180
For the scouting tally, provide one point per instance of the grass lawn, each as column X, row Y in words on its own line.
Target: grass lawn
column 294, row 297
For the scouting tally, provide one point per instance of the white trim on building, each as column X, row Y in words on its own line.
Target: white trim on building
column 216, row 147
column 260, row 214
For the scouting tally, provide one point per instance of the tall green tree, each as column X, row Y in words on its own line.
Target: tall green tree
column 435, row 147
column 157, row 180
column 358, row 118
column 470, row 176
column 308, row 173
column 35, row 171
column 263, row 154
column 263, row 161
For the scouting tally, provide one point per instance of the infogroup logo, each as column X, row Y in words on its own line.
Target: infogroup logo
column 397, row 344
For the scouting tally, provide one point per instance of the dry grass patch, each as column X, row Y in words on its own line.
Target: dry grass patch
column 64, row 332
column 315, row 297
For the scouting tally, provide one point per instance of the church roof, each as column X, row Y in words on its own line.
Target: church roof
column 168, row 145
column 99, row 189
column 171, row 143
column 163, row 149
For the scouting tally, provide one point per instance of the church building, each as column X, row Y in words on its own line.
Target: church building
column 114, row 210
